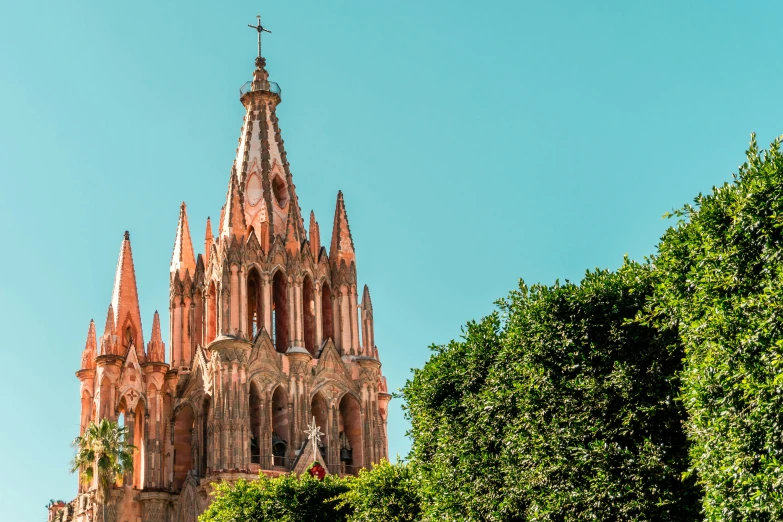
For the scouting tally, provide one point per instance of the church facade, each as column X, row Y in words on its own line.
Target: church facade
column 268, row 330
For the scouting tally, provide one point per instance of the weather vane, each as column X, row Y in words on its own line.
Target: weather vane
column 314, row 434
column 260, row 28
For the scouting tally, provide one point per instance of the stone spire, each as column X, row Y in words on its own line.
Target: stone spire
column 342, row 242
column 90, row 347
column 182, row 259
column 233, row 217
column 109, row 337
column 315, row 237
column 366, row 301
column 156, row 349
column 125, row 302
column 367, row 324
column 261, row 165
column 208, row 239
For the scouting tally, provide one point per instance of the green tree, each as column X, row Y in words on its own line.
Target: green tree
column 387, row 493
column 102, row 453
column 558, row 407
column 281, row 499
column 721, row 284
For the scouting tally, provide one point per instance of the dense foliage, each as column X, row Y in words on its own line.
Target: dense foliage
column 281, row 499
column 561, row 408
column 721, row 284
column 387, row 493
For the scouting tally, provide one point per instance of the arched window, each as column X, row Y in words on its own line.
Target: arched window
column 255, row 424
column 308, row 314
column 254, row 300
column 327, row 318
column 280, row 312
column 280, row 427
column 350, row 434
column 183, row 436
column 320, row 411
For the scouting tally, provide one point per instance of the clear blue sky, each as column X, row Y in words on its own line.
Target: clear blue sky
column 475, row 142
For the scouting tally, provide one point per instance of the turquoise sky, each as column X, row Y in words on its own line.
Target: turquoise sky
column 475, row 142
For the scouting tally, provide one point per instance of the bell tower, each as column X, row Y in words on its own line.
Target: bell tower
column 267, row 338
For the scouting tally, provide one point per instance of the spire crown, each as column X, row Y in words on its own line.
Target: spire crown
column 182, row 258
column 90, row 347
column 341, row 248
column 156, row 348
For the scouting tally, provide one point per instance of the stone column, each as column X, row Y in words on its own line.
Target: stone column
column 299, row 313
column 234, row 329
column 267, row 303
column 337, row 321
column 187, row 314
column 345, row 323
column 354, row 321
column 242, row 305
column 319, row 327
column 176, row 334
column 291, row 306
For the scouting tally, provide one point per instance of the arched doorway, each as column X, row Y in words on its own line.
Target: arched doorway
column 280, row 426
column 320, row 410
column 255, row 424
column 350, row 434
column 183, row 436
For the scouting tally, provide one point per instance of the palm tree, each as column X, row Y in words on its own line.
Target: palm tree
column 102, row 452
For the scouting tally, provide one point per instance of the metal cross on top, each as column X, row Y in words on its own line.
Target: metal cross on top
column 314, row 434
column 260, row 28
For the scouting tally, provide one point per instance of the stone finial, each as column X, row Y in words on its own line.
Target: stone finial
column 156, row 349
column 182, row 258
column 315, row 236
column 208, row 240
column 366, row 301
column 341, row 248
column 90, row 348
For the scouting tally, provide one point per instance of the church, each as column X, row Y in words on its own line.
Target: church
column 268, row 330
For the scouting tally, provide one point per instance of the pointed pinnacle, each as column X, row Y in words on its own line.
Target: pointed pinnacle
column 182, row 258
column 341, row 248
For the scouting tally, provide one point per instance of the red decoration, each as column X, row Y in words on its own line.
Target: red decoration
column 317, row 471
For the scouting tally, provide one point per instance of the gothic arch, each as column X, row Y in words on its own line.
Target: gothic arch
column 351, row 433
column 184, row 422
column 255, row 299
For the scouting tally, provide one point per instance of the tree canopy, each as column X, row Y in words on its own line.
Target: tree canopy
column 720, row 283
column 559, row 407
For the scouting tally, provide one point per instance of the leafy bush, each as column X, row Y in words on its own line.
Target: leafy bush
column 387, row 493
column 281, row 499
column 721, row 284
column 561, row 408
